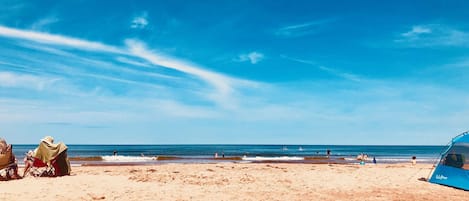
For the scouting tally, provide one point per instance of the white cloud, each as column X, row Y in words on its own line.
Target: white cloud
column 139, row 22
column 434, row 35
column 253, row 57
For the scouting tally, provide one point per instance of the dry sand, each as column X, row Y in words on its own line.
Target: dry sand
column 227, row 181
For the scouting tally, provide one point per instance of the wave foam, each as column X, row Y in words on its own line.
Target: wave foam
column 127, row 158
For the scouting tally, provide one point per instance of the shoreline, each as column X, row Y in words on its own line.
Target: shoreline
column 99, row 161
column 235, row 159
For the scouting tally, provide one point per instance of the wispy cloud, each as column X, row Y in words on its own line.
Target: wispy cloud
column 302, row 29
column 428, row 35
column 43, row 23
column 40, row 37
column 140, row 22
column 335, row 72
column 8, row 79
column 222, row 84
column 46, row 49
column 416, row 31
column 253, row 57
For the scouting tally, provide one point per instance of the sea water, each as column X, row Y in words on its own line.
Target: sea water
column 242, row 153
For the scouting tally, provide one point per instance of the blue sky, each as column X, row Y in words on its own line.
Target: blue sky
column 268, row 72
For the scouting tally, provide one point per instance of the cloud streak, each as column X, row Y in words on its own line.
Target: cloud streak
column 302, row 29
column 44, row 23
column 344, row 75
column 57, row 40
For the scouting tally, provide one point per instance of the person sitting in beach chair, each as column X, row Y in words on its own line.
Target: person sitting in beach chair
column 7, row 162
column 454, row 160
column 28, row 162
column 52, row 157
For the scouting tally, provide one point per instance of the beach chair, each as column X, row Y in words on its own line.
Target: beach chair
column 50, row 159
column 8, row 166
column 39, row 169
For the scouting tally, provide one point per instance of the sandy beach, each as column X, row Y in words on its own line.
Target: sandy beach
column 232, row 181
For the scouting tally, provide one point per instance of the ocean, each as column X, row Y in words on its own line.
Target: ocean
column 155, row 154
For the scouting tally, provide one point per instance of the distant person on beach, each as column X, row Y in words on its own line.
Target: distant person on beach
column 216, row 155
column 328, row 152
column 114, row 153
column 414, row 160
column 374, row 160
column 222, row 154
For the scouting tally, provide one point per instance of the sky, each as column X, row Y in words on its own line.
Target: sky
column 234, row 72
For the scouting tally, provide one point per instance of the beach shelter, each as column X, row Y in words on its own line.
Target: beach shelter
column 453, row 167
column 6, row 162
column 50, row 154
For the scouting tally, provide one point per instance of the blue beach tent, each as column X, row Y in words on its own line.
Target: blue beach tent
column 453, row 168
